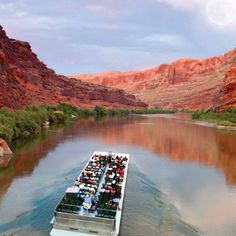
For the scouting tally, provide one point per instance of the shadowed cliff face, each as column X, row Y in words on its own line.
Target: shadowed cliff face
column 27, row 81
column 226, row 98
column 183, row 84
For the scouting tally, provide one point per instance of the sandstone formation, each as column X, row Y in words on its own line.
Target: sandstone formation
column 4, row 148
column 27, row 81
column 183, row 84
column 226, row 98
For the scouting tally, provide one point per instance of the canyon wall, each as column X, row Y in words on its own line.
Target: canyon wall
column 184, row 84
column 27, row 81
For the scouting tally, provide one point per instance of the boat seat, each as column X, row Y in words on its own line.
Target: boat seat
column 92, row 209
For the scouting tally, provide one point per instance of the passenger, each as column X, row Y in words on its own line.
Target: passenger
column 91, row 190
column 111, row 176
column 107, row 191
column 113, row 192
column 87, row 202
column 117, row 178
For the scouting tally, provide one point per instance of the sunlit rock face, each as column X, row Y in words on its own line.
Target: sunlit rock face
column 4, row 148
column 183, row 84
column 27, row 81
column 226, row 98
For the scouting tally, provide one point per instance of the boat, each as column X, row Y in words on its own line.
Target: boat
column 93, row 204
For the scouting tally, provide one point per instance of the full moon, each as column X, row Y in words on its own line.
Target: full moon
column 221, row 12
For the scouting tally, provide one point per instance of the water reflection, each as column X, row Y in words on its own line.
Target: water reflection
column 174, row 139
column 195, row 166
column 4, row 161
column 28, row 153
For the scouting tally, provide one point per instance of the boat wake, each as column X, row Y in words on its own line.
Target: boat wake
column 147, row 209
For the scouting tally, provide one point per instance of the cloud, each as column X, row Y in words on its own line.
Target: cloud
column 164, row 39
column 117, row 35
column 216, row 12
column 221, row 13
column 207, row 208
column 183, row 4
column 14, row 15
column 104, row 26
column 118, row 58
column 102, row 9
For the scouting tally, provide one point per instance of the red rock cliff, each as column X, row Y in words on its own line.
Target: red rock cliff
column 27, row 81
column 226, row 98
column 5, row 150
column 183, row 84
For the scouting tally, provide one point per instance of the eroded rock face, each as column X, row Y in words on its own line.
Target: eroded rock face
column 226, row 98
column 183, row 84
column 4, row 148
column 27, row 81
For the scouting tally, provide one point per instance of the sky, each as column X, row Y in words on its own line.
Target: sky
column 90, row 36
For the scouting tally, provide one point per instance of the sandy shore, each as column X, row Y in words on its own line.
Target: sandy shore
column 187, row 119
column 169, row 116
column 208, row 124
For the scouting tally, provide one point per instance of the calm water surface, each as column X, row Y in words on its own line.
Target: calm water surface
column 181, row 179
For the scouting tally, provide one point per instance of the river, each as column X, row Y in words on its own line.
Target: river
column 181, row 179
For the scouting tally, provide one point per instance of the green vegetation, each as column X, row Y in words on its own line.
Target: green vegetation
column 30, row 121
column 228, row 118
column 152, row 111
column 101, row 112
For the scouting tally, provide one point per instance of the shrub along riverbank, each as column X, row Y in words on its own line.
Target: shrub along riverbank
column 30, row 121
column 228, row 118
column 152, row 111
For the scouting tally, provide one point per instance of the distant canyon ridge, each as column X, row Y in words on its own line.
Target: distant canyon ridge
column 184, row 84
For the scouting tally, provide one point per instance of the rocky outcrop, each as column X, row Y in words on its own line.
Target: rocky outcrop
column 4, row 148
column 226, row 98
column 27, row 81
column 183, row 84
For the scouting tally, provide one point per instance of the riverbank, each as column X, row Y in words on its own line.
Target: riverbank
column 22, row 124
column 213, row 125
column 151, row 111
column 226, row 120
column 177, row 115
column 31, row 121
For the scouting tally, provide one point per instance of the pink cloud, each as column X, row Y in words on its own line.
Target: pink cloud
column 102, row 9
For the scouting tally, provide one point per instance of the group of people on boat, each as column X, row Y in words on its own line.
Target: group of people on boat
column 99, row 185
column 90, row 178
column 110, row 192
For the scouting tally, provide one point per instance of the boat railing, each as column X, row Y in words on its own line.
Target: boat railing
column 83, row 223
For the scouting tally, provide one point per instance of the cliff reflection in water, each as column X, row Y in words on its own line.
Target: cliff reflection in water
column 171, row 138
column 179, row 141
column 27, row 155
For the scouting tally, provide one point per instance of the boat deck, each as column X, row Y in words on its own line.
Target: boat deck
column 93, row 205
